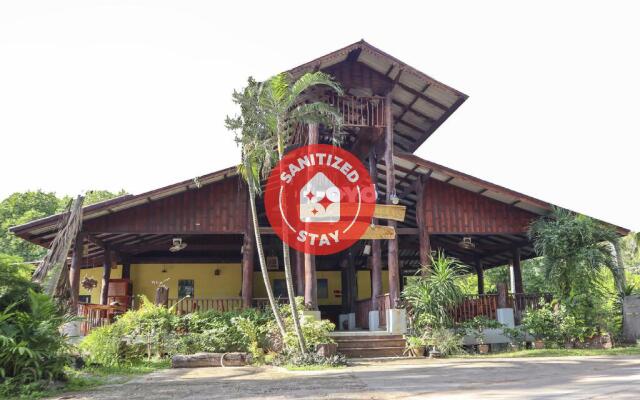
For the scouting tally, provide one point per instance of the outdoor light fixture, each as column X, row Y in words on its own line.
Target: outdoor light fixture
column 367, row 249
column 177, row 245
column 467, row 243
column 395, row 199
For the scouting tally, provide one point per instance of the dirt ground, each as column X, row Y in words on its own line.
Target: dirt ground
column 523, row 378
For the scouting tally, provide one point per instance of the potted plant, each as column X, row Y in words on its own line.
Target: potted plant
column 540, row 324
column 415, row 346
column 476, row 328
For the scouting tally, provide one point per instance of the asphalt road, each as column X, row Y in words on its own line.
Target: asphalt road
column 523, row 378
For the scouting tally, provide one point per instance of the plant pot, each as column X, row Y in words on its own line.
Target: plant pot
column 435, row 353
column 417, row 351
column 483, row 348
column 538, row 344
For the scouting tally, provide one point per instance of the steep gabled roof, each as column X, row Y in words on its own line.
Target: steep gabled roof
column 420, row 103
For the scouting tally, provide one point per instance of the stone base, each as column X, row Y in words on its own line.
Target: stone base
column 310, row 315
column 396, row 321
column 374, row 320
column 347, row 322
column 505, row 317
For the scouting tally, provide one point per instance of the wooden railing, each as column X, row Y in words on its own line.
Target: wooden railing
column 360, row 111
column 487, row 305
column 95, row 315
column 363, row 307
column 189, row 305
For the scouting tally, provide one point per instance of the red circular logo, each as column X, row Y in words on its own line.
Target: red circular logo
column 319, row 199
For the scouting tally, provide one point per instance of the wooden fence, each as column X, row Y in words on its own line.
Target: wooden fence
column 363, row 307
column 487, row 305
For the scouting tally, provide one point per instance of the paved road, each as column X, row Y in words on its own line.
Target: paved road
column 530, row 378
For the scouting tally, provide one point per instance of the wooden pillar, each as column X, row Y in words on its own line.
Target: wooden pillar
column 502, row 294
column 299, row 273
column 310, row 281
column 74, row 271
column 517, row 272
column 248, row 256
column 480, row 273
column 126, row 268
column 423, row 234
column 106, row 275
column 392, row 253
column 376, row 248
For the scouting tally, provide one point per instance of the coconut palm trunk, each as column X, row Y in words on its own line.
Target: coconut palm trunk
column 287, row 270
column 261, row 258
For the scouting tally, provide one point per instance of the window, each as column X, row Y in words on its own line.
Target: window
column 84, row 298
column 185, row 288
column 280, row 288
column 323, row 288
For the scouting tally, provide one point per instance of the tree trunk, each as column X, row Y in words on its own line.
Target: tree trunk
column 618, row 273
column 210, row 360
column 263, row 263
column 288, row 277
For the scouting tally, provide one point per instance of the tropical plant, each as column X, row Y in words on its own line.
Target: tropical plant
column 15, row 281
column 315, row 332
column 431, row 296
column 285, row 105
column 477, row 325
column 31, row 346
column 443, row 340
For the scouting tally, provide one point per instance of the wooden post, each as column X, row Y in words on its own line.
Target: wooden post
column 517, row 272
column 502, row 294
column 310, row 281
column 106, row 275
column 74, row 271
column 353, row 286
column 248, row 250
column 376, row 248
column 423, row 234
column 392, row 253
column 480, row 273
column 162, row 296
column 126, row 269
column 299, row 273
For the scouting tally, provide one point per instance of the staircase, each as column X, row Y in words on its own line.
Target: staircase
column 366, row 344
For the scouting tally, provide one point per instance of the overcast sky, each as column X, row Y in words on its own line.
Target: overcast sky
column 133, row 94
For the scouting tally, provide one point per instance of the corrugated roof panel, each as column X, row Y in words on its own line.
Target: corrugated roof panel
column 442, row 96
column 413, row 81
column 402, row 95
column 531, row 208
column 440, row 176
column 416, row 119
column 374, row 62
column 428, row 109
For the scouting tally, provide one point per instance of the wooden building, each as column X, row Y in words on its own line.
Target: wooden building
column 389, row 110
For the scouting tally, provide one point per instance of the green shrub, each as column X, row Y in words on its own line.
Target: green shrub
column 15, row 282
column 309, row 359
column 446, row 341
column 476, row 326
column 555, row 325
column 32, row 350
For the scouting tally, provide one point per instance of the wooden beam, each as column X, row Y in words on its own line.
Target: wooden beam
column 424, row 246
column 106, row 276
column 392, row 250
column 390, row 211
column 74, row 271
column 376, row 247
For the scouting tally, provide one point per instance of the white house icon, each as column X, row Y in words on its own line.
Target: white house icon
column 320, row 200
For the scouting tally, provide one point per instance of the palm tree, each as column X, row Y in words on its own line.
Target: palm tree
column 257, row 146
column 285, row 104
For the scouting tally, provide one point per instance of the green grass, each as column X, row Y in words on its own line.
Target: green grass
column 618, row 351
column 91, row 377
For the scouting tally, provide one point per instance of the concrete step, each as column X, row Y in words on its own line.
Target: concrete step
column 376, row 352
column 370, row 343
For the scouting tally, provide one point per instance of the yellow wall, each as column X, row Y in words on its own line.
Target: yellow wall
column 206, row 284
column 96, row 273
column 364, row 284
column 227, row 284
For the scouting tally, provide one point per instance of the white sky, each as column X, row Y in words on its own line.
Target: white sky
column 133, row 94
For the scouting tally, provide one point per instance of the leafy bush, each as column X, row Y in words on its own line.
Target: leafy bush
column 478, row 324
column 314, row 332
column 15, row 282
column 32, row 350
column 156, row 331
column 446, row 341
column 554, row 324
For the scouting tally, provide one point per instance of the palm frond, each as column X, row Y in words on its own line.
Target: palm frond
column 311, row 79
